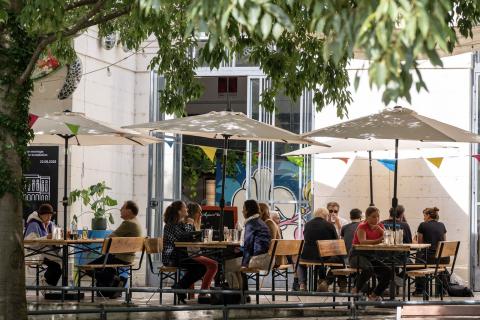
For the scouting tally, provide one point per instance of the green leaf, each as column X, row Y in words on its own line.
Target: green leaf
column 277, row 31
column 253, row 15
column 266, row 25
column 110, row 219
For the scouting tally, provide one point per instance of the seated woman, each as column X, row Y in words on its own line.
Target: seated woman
column 272, row 226
column 255, row 246
column 429, row 231
column 40, row 226
column 369, row 231
column 194, row 218
column 316, row 229
column 175, row 228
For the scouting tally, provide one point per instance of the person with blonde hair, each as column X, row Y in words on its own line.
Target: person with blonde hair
column 272, row 226
column 318, row 228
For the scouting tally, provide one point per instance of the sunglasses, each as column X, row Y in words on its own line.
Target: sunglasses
column 333, row 211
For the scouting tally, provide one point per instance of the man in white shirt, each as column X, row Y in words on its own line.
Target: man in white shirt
column 333, row 217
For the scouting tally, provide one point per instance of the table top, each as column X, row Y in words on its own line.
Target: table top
column 391, row 247
column 210, row 244
column 60, row 242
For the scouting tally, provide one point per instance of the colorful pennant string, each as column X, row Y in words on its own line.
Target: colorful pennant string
column 73, row 128
column 210, row 152
column 32, row 118
column 437, row 162
column 388, row 163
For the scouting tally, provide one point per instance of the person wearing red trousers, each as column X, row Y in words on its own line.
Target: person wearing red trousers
column 194, row 218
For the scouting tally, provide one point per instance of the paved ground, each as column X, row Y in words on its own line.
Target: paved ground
column 152, row 300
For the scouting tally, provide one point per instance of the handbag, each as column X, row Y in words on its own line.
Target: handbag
column 191, row 236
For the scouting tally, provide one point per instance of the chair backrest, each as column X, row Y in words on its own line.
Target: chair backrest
column 330, row 248
column 125, row 244
column 282, row 247
column 447, row 249
column 153, row 245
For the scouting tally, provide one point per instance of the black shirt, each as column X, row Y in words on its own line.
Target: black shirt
column 348, row 232
column 400, row 225
column 432, row 232
column 316, row 229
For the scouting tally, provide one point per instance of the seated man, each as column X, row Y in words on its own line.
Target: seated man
column 130, row 227
column 400, row 223
column 348, row 230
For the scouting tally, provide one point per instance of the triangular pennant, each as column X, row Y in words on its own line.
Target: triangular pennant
column 209, row 151
column 31, row 119
column 170, row 142
column 388, row 163
column 437, row 162
column 73, row 128
column 476, row 156
column 345, row 160
column 296, row 160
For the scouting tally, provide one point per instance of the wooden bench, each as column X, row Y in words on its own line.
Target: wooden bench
column 278, row 248
column 155, row 246
column 336, row 248
column 112, row 246
column 444, row 249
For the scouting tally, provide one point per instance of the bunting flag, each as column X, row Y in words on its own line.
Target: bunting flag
column 209, row 151
column 437, row 162
column 345, row 160
column 476, row 156
column 170, row 142
column 388, row 163
column 73, row 128
column 32, row 118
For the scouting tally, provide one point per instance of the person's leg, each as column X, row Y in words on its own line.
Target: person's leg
column 364, row 264
column 384, row 274
column 302, row 276
column 233, row 274
column 212, row 268
column 195, row 271
column 53, row 272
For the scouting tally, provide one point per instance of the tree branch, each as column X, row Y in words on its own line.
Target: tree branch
column 77, row 4
column 81, row 24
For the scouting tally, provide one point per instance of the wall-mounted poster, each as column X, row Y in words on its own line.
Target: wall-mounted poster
column 41, row 178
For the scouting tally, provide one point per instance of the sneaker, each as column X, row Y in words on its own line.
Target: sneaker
column 295, row 285
column 43, row 283
column 374, row 298
column 322, row 286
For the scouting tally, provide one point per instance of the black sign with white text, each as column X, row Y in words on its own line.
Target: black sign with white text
column 41, row 178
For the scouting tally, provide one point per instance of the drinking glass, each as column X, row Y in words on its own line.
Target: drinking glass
column 207, row 235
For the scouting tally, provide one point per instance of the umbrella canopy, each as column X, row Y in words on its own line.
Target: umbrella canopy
column 52, row 129
column 396, row 123
column 399, row 124
column 225, row 125
column 217, row 125
column 362, row 146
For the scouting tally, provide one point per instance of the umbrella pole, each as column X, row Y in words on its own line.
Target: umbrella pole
column 371, row 177
column 395, row 199
column 65, row 205
column 224, row 176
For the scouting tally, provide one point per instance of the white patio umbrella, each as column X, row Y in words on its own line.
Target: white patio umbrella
column 364, row 148
column 225, row 125
column 64, row 128
column 399, row 124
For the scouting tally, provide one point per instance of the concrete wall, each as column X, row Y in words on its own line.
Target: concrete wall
column 421, row 184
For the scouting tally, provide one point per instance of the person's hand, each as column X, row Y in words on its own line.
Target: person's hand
column 378, row 228
column 189, row 221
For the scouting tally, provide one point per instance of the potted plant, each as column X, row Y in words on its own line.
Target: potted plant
column 94, row 196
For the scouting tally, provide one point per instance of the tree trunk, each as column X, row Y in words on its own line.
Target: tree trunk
column 13, row 304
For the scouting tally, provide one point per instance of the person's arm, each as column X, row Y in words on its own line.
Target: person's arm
column 248, row 244
column 420, row 233
column 362, row 237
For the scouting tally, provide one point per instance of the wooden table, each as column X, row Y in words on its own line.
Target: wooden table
column 395, row 248
column 46, row 247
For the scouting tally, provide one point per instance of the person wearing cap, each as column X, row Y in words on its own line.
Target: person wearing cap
column 40, row 226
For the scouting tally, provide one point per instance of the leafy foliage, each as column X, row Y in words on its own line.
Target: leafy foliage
column 94, row 196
